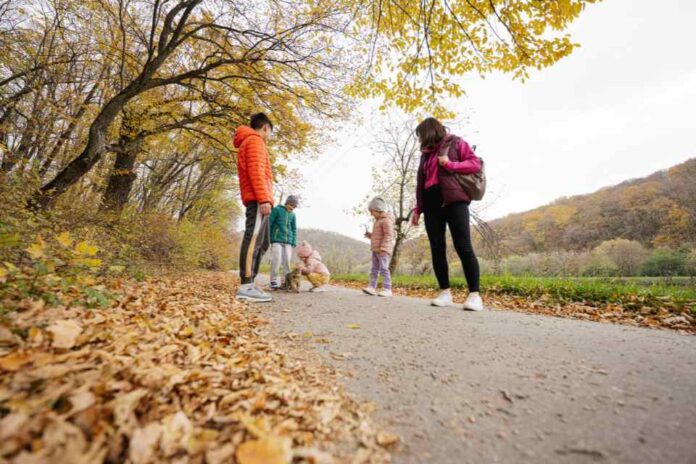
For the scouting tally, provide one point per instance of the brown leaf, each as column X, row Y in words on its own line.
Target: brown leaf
column 65, row 333
column 385, row 438
column 269, row 450
column 15, row 360
column 220, row 455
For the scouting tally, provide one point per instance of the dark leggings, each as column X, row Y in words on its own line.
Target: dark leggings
column 456, row 215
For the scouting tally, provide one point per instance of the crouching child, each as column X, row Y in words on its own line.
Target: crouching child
column 313, row 268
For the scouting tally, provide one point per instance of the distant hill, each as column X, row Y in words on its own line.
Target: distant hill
column 341, row 254
column 658, row 210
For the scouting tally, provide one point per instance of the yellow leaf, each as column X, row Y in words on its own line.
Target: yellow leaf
column 89, row 262
column 11, row 267
column 14, row 361
column 36, row 251
column 269, row 450
column 65, row 240
column 186, row 331
column 353, row 326
column 3, row 272
column 85, row 249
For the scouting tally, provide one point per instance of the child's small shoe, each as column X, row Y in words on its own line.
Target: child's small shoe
column 317, row 289
column 385, row 293
column 370, row 290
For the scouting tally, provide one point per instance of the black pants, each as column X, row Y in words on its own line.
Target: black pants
column 437, row 218
column 254, row 244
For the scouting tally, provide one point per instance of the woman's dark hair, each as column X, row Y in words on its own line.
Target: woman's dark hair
column 259, row 120
column 430, row 132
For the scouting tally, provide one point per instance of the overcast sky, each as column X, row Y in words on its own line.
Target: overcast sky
column 621, row 106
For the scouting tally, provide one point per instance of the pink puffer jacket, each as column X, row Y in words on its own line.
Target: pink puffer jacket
column 383, row 236
column 310, row 260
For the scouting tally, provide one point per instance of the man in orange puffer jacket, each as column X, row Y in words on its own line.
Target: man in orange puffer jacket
column 256, row 185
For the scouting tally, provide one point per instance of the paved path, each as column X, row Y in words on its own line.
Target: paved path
column 502, row 386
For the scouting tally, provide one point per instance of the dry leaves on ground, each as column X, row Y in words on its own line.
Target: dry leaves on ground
column 176, row 371
column 646, row 317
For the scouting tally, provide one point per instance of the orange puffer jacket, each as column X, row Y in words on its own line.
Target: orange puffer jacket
column 253, row 167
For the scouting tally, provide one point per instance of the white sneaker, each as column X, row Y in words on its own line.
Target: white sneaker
column 473, row 303
column 385, row 293
column 370, row 291
column 317, row 289
column 443, row 299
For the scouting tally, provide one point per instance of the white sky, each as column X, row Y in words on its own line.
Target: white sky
column 621, row 106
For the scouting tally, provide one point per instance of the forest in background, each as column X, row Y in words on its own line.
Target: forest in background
column 641, row 227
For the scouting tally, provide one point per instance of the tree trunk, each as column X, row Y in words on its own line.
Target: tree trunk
column 68, row 132
column 121, row 179
column 396, row 253
column 92, row 152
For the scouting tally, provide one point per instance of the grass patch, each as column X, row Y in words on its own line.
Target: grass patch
column 631, row 293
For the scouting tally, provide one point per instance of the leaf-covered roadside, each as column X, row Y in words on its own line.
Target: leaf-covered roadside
column 174, row 371
column 547, row 304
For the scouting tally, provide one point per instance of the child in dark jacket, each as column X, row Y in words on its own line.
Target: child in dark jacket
column 283, row 229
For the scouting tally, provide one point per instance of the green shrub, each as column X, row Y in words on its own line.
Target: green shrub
column 665, row 262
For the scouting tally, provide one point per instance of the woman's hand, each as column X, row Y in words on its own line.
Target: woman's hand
column 444, row 159
column 415, row 219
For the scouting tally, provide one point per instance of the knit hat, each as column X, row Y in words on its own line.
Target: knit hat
column 304, row 250
column 377, row 204
column 292, row 200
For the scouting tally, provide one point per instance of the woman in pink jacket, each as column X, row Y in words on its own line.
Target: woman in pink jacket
column 382, row 244
column 444, row 202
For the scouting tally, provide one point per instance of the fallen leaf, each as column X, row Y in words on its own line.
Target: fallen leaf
column 15, row 360
column 385, row 438
column 176, row 432
column 269, row 450
column 81, row 400
column 220, row 455
column 64, row 239
column 65, row 332
column 353, row 326
column 313, row 455
column 11, row 424
column 143, row 443
column 7, row 337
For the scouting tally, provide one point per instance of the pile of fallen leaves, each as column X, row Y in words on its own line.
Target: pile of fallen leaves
column 174, row 371
column 610, row 312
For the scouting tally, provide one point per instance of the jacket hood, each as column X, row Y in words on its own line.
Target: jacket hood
column 315, row 255
column 242, row 133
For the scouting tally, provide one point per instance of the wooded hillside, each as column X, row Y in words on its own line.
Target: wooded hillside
column 657, row 211
column 341, row 254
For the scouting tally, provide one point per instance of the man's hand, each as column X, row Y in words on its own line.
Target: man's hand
column 265, row 209
column 368, row 234
column 415, row 219
column 444, row 159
